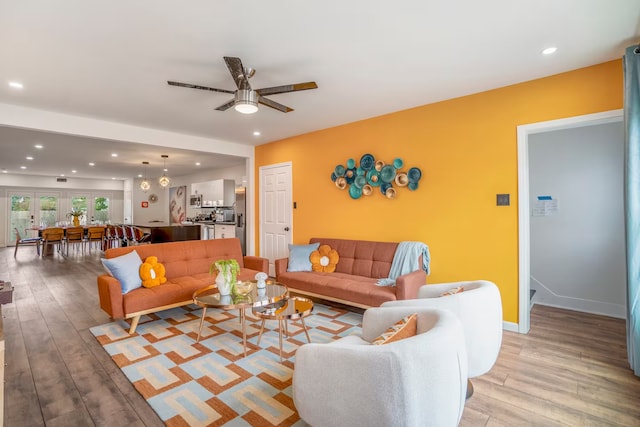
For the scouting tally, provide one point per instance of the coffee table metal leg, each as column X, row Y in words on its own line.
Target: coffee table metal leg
column 280, row 335
column 204, row 311
column 305, row 329
column 261, row 330
column 243, row 324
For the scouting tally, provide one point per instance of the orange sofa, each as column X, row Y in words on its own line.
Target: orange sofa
column 360, row 266
column 187, row 270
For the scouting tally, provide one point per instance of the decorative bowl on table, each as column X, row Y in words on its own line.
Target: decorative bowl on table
column 244, row 288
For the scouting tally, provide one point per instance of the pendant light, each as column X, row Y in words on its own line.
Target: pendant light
column 164, row 179
column 145, row 185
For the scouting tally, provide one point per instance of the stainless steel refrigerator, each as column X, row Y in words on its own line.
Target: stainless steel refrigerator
column 241, row 213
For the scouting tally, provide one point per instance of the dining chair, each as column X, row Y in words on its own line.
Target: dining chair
column 140, row 236
column 27, row 241
column 112, row 236
column 53, row 236
column 96, row 235
column 75, row 237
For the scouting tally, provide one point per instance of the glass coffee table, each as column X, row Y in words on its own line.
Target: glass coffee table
column 209, row 297
column 293, row 308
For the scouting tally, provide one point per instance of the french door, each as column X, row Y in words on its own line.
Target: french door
column 31, row 209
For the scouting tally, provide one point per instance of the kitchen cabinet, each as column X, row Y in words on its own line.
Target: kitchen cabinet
column 216, row 191
column 223, row 231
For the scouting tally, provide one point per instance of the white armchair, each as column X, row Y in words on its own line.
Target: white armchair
column 479, row 308
column 416, row 381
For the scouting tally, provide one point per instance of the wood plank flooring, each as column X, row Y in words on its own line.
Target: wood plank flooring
column 570, row 370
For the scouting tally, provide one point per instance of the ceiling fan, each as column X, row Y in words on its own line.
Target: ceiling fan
column 245, row 98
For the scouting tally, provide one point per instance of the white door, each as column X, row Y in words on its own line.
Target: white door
column 275, row 212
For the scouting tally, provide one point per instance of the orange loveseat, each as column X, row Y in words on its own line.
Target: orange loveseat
column 360, row 266
column 187, row 270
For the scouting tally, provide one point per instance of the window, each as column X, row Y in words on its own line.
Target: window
column 80, row 203
column 101, row 209
column 48, row 214
column 21, row 215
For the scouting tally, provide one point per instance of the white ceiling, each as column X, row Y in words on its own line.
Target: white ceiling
column 111, row 61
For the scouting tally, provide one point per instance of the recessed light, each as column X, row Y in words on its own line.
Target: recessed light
column 91, row 164
column 5, row 171
column 38, row 146
column 256, row 133
column 61, row 174
column 114, row 154
column 23, row 167
column 549, row 50
column 16, row 85
column 139, row 175
column 165, row 169
column 29, row 158
column 113, row 178
column 74, row 171
column 197, row 163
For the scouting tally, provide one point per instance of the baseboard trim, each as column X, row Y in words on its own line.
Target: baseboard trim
column 510, row 326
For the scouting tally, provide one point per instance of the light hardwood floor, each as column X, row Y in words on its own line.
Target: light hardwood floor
column 570, row 370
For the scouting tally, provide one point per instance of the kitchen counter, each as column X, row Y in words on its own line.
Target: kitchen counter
column 162, row 232
column 215, row 222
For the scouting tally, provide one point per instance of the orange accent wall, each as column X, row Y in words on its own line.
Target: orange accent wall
column 467, row 150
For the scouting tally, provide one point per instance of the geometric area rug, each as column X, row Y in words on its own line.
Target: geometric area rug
column 210, row 383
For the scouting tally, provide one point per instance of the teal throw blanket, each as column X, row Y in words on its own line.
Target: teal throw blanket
column 405, row 260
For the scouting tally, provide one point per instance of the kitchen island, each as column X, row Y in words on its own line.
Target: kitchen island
column 161, row 232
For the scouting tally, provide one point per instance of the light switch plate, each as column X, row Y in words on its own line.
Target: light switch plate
column 502, row 200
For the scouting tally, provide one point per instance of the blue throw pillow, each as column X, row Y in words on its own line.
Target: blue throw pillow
column 299, row 257
column 126, row 269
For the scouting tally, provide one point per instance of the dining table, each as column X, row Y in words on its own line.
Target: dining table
column 39, row 230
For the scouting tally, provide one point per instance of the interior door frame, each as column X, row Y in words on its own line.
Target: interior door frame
column 524, row 230
column 262, row 198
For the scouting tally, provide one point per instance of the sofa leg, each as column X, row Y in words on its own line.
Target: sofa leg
column 469, row 389
column 134, row 324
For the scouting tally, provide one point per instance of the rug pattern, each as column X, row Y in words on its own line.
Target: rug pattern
column 210, row 383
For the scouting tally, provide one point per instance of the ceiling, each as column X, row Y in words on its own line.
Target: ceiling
column 111, row 61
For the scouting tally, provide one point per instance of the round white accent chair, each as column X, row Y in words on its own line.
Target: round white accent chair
column 479, row 308
column 416, row 381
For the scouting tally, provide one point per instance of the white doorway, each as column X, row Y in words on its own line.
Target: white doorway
column 275, row 212
column 524, row 205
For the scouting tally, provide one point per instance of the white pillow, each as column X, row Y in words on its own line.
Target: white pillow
column 125, row 268
column 299, row 257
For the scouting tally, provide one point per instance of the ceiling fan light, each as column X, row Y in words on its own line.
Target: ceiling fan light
column 246, row 108
column 246, row 101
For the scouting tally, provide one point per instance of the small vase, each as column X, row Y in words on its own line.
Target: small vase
column 224, row 286
column 76, row 221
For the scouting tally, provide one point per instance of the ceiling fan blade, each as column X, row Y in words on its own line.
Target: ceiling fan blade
column 227, row 105
column 287, row 88
column 192, row 86
column 237, row 72
column 275, row 105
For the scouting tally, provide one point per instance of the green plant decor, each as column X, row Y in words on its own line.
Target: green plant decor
column 75, row 213
column 229, row 269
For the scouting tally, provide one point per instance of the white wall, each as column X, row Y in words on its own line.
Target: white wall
column 578, row 254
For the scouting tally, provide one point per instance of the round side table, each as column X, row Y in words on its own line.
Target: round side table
column 293, row 308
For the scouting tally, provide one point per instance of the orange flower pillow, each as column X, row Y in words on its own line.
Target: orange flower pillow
column 152, row 272
column 324, row 259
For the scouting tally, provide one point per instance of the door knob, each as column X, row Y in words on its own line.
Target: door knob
column 286, row 229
